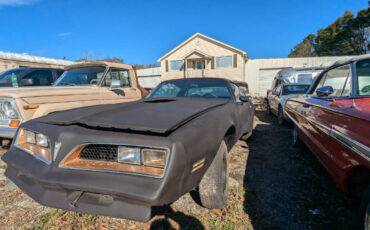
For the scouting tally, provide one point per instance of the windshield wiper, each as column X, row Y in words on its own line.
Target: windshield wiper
column 66, row 83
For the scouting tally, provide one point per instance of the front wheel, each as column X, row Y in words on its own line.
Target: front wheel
column 213, row 188
column 365, row 209
column 296, row 141
column 281, row 120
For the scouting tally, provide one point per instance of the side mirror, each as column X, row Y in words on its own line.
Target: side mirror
column 115, row 84
column 26, row 82
column 324, row 91
column 243, row 98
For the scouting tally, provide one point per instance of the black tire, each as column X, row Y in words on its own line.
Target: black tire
column 365, row 209
column 281, row 119
column 213, row 188
column 296, row 141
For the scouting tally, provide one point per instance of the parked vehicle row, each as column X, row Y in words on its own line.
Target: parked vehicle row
column 122, row 156
column 124, row 159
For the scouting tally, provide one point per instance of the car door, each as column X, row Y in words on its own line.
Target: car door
column 275, row 99
column 323, row 112
column 242, row 109
column 125, row 92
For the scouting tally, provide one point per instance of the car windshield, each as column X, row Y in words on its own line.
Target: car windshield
column 82, row 76
column 295, row 89
column 6, row 77
column 209, row 88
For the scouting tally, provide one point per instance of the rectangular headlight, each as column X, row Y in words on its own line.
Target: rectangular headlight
column 42, row 140
column 154, row 157
column 129, row 155
column 29, row 137
column 35, row 144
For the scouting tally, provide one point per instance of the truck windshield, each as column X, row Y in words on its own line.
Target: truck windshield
column 295, row 89
column 193, row 88
column 6, row 77
column 82, row 76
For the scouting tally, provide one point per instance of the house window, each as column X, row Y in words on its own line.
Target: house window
column 177, row 65
column 225, row 61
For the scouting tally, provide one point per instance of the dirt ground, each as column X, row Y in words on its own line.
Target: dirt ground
column 273, row 186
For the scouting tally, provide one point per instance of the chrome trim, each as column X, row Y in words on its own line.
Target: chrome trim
column 29, row 152
column 118, row 172
column 353, row 145
column 8, row 132
column 320, row 126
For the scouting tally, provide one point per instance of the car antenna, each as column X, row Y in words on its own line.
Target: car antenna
column 353, row 105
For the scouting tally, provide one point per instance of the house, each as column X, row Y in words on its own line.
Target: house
column 202, row 56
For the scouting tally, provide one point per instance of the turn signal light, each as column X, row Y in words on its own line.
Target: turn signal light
column 14, row 123
column 30, row 106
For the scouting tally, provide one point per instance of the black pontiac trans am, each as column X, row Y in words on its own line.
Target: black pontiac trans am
column 123, row 160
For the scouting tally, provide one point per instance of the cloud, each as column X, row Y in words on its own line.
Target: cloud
column 17, row 2
column 65, row 34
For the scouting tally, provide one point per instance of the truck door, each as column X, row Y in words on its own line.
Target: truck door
column 110, row 92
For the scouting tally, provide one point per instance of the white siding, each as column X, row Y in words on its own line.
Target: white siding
column 260, row 72
column 149, row 77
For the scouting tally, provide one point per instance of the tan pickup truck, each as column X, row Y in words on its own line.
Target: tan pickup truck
column 82, row 84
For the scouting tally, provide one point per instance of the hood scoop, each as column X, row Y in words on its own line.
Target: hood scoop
column 159, row 100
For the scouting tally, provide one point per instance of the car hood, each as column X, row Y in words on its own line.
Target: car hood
column 160, row 115
column 39, row 91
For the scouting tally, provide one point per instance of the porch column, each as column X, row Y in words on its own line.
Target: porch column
column 185, row 66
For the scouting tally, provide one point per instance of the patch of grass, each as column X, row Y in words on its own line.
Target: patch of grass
column 47, row 216
column 3, row 166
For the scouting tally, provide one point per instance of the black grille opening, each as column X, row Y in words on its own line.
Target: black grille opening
column 100, row 153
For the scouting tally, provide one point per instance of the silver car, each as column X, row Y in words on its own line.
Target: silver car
column 280, row 94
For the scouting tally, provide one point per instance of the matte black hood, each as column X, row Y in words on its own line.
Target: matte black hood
column 157, row 115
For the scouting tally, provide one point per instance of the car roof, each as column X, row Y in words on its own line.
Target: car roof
column 349, row 60
column 199, row 78
column 284, row 84
column 36, row 68
column 98, row 63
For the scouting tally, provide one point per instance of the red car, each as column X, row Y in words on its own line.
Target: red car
column 333, row 120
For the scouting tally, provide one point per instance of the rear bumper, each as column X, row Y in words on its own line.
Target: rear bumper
column 7, row 132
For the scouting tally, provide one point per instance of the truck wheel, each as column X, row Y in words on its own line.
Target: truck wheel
column 365, row 209
column 213, row 188
column 281, row 120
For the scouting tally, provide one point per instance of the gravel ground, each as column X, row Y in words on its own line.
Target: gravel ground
column 273, row 186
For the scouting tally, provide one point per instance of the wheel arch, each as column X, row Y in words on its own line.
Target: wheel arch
column 357, row 180
column 229, row 137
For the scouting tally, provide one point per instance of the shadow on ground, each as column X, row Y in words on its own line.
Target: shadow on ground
column 287, row 188
column 182, row 220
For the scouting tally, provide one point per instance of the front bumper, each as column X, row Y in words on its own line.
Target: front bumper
column 7, row 132
column 78, row 200
column 127, row 196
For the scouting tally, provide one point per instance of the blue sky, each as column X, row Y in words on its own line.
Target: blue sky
column 142, row 31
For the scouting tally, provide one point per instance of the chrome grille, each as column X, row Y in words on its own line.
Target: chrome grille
column 100, row 152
